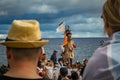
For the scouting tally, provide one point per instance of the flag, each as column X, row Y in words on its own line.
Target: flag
column 64, row 40
column 61, row 27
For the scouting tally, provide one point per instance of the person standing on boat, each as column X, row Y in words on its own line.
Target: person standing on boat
column 69, row 47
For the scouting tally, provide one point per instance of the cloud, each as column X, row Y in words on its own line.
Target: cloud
column 80, row 27
column 3, row 13
column 45, row 6
column 3, row 36
column 43, row 9
column 51, row 34
column 90, row 24
column 88, row 34
column 83, row 16
column 48, row 11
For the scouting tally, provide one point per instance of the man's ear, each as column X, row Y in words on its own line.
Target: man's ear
column 40, row 54
column 8, row 53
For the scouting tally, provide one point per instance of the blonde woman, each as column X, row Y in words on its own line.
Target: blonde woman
column 105, row 62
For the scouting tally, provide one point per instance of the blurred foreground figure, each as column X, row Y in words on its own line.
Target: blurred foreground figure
column 105, row 62
column 23, row 47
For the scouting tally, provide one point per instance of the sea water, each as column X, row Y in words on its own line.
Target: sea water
column 85, row 48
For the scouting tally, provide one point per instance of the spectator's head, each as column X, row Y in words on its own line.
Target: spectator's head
column 50, row 63
column 55, row 53
column 57, row 65
column 60, row 60
column 68, row 65
column 63, row 71
column 78, row 65
column 85, row 61
column 74, row 76
column 44, row 56
column 24, row 41
column 102, row 42
column 111, row 16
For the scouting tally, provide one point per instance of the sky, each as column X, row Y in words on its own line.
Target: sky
column 83, row 16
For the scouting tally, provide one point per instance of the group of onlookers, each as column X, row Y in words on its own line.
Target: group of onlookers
column 58, row 70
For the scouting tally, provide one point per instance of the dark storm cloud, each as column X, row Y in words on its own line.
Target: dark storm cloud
column 47, row 11
column 81, row 15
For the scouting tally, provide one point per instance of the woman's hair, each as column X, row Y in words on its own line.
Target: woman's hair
column 111, row 13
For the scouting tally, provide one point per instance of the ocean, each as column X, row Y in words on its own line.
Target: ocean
column 85, row 48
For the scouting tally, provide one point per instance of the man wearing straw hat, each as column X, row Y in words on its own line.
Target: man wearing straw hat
column 105, row 62
column 23, row 46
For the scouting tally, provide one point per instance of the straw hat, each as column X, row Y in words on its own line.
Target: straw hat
column 24, row 34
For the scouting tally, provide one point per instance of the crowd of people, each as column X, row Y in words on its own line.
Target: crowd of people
column 55, row 69
column 51, row 70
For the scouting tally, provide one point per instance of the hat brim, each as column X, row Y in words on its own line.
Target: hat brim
column 24, row 44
